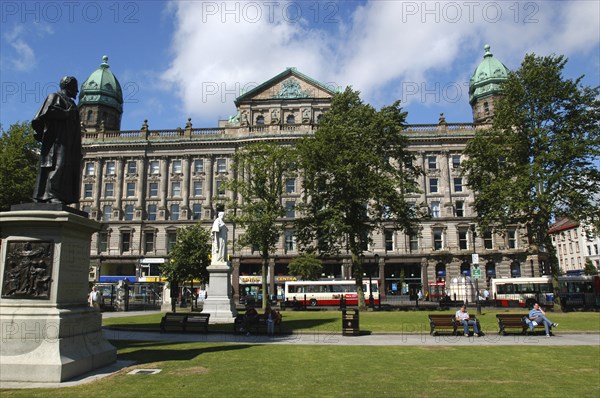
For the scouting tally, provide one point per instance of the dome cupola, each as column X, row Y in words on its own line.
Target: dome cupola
column 484, row 86
column 101, row 99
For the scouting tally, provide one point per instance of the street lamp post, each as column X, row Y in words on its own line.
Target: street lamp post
column 371, row 300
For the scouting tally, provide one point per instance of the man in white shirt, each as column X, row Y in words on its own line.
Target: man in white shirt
column 94, row 298
column 463, row 317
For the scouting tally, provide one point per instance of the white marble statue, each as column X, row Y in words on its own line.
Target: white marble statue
column 219, row 242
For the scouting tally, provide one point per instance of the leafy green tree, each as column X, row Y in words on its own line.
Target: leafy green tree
column 357, row 173
column 190, row 255
column 537, row 160
column 260, row 173
column 307, row 266
column 19, row 157
column 590, row 268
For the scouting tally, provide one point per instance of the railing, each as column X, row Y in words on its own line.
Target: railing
column 236, row 132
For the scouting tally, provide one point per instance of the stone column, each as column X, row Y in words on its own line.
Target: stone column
column 119, row 165
column 210, row 178
column 185, row 189
column 164, row 188
column 98, row 187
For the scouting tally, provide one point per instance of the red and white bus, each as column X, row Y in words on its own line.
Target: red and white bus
column 523, row 292
column 314, row 293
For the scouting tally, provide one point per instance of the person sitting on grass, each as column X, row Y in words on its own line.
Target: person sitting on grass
column 537, row 316
column 463, row 317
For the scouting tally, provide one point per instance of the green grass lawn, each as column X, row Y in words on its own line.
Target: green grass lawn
column 262, row 370
column 379, row 322
column 248, row 370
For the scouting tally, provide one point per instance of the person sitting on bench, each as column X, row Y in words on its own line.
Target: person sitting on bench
column 538, row 316
column 462, row 316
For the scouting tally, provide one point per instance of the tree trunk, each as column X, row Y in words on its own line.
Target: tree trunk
column 265, row 272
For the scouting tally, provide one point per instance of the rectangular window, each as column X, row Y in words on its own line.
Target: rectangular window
column 153, row 189
column 174, row 212
column 463, row 240
column 176, row 188
column 171, row 240
column 149, row 242
column 438, row 243
column 290, row 185
column 103, row 242
column 220, row 188
column 110, row 168
column 106, row 212
column 433, row 185
column 108, row 189
column 177, row 167
column 131, row 167
column 198, row 188
column 221, row 165
column 455, row 161
column 459, row 208
column 89, row 169
column 198, row 166
column 432, row 162
column 290, row 209
column 88, row 190
column 130, row 189
column 435, row 209
column 512, row 239
column 152, row 212
column 458, row 185
column 125, row 241
column 487, row 240
column 128, row 212
column 389, row 240
column 413, row 243
column 197, row 211
column 290, row 241
column 154, row 167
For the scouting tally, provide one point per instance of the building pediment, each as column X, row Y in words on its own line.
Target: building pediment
column 288, row 85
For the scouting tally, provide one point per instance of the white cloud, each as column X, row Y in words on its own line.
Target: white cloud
column 23, row 57
column 382, row 45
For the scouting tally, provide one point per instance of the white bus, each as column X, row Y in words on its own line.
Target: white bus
column 314, row 293
column 523, row 292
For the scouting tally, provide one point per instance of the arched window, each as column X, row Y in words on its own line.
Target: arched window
column 440, row 270
column 490, row 270
column 465, row 269
column 89, row 115
column 291, row 119
column 260, row 119
column 515, row 269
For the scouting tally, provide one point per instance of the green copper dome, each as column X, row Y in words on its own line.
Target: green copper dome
column 102, row 88
column 487, row 77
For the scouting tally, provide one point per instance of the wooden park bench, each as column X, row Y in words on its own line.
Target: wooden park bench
column 257, row 327
column 515, row 321
column 511, row 321
column 449, row 322
column 437, row 322
column 173, row 322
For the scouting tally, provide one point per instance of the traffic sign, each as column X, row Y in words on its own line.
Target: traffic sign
column 476, row 273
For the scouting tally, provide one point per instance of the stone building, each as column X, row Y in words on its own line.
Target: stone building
column 574, row 245
column 144, row 184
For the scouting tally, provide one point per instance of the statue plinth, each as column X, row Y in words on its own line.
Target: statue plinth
column 219, row 301
column 48, row 332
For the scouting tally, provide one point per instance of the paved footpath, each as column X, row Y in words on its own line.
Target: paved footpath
column 376, row 339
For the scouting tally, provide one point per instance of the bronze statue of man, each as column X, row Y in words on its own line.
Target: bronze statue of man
column 58, row 128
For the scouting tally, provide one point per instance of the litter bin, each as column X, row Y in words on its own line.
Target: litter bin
column 350, row 326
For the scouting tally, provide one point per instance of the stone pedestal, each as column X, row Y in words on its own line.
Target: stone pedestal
column 219, row 301
column 48, row 332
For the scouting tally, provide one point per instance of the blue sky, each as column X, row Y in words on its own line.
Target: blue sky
column 176, row 60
